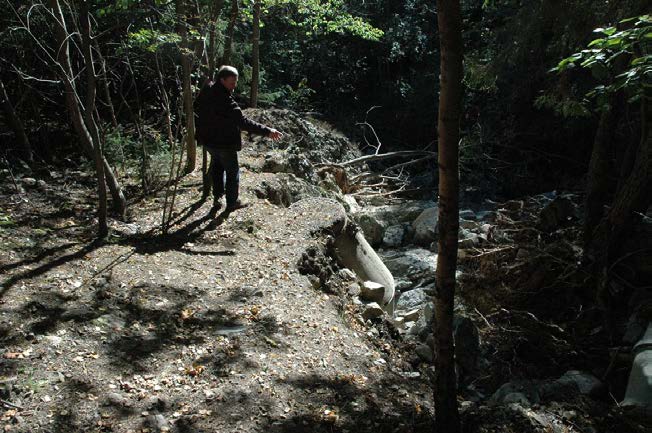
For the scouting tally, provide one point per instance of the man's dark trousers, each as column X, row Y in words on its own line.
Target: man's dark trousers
column 224, row 162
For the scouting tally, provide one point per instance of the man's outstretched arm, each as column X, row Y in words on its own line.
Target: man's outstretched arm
column 257, row 128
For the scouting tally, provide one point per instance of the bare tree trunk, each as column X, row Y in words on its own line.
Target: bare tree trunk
column 66, row 74
column 191, row 145
column 211, row 49
column 255, row 53
column 632, row 200
column 598, row 179
column 117, row 195
column 450, row 107
column 86, row 140
column 89, row 110
column 212, row 42
column 16, row 124
column 137, row 118
column 228, row 40
column 105, row 85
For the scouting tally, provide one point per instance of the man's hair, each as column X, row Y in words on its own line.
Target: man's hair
column 227, row 71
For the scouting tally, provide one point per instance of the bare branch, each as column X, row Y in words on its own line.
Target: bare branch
column 26, row 76
column 382, row 156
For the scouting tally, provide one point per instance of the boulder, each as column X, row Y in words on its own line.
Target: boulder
column 403, row 285
column 387, row 215
column 524, row 391
column 556, row 214
column 417, row 265
column 423, row 326
column 468, row 239
column 425, row 352
column 585, row 383
column 346, row 274
column 372, row 311
column 29, row 181
column 276, row 162
column 411, row 299
column 409, row 211
column 425, row 226
column 468, row 224
column 285, row 189
column 373, row 228
column 395, row 235
column 405, row 212
column 428, row 312
column 372, row 291
column 354, row 289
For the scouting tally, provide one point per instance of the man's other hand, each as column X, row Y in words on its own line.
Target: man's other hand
column 275, row 134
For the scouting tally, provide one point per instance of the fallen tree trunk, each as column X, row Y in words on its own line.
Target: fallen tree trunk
column 383, row 156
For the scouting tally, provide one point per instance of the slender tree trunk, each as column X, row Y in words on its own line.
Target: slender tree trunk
column 137, row 118
column 598, row 179
column 194, row 22
column 228, row 40
column 65, row 71
column 450, row 107
column 191, row 145
column 105, row 86
column 16, row 124
column 255, row 53
column 89, row 110
column 212, row 39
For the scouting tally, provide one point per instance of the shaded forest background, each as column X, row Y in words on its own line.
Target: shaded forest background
column 524, row 128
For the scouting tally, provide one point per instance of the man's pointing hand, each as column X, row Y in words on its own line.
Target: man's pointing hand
column 275, row 134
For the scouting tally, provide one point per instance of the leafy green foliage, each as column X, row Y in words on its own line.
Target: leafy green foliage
column 315, row 17
column 565, row 107
column 479, row 75
column 604, row 56
column 151, row 40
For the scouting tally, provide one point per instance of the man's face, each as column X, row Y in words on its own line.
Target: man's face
column 229, row 82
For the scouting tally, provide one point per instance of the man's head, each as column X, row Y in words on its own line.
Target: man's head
column 228, row 76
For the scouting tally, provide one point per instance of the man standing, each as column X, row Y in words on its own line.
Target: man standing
column 219, row 128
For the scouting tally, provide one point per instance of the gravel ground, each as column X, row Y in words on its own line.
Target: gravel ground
column 210, row 328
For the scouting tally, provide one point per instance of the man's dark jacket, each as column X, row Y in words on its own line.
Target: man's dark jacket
column 221, row 121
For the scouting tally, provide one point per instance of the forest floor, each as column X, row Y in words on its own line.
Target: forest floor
column 212, row 328
column 208, row 329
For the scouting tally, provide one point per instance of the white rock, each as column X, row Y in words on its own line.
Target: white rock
column 372, row 291
column 28, row 181
column 372, row 311
column 410, row 316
